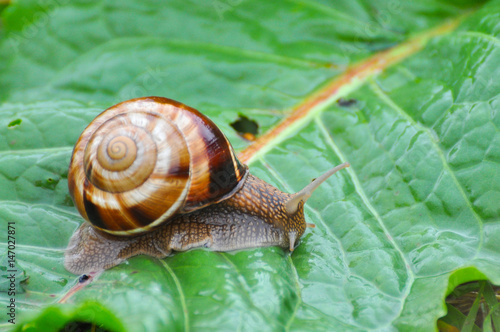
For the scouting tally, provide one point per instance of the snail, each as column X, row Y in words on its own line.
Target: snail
column 152, row 176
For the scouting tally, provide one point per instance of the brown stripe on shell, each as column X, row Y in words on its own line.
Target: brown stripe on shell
column 215, row 171
column 179, row 171
column 88, row 172
column 165, row 196
column 91, row 209
column 222, row 176
column 76, row 180
column 141, row 216
column 134, row 216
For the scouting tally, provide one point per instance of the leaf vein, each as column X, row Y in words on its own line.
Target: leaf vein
column 181, row 294
column 242, row 288
column 480, row 35
column 420, row 127
column 35, row 151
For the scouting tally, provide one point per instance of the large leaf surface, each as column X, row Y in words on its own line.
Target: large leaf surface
column 415, row 214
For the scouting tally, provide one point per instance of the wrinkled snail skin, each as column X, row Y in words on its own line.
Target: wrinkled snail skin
column 253, row 217
column 152, row 176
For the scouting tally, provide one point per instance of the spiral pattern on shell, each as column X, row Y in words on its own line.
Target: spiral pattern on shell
column 144, row 160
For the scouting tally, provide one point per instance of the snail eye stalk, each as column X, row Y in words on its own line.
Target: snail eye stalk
column 304, row 194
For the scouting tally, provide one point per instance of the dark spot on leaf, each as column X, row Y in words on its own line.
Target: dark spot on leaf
column 246, row 127
column 82, row 326
column 83, row 278
column 346, row 102
column 14, row 123
column 49, row 183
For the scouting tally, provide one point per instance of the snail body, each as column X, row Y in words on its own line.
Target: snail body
column 152, row 176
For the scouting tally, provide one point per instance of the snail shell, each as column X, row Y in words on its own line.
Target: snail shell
column 142, row 161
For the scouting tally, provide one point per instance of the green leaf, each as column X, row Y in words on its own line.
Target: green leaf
column 456, row 318
column 417, row 117
column 471, row 316
column 10, row 279
column 53, row 319
column 493, row 304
